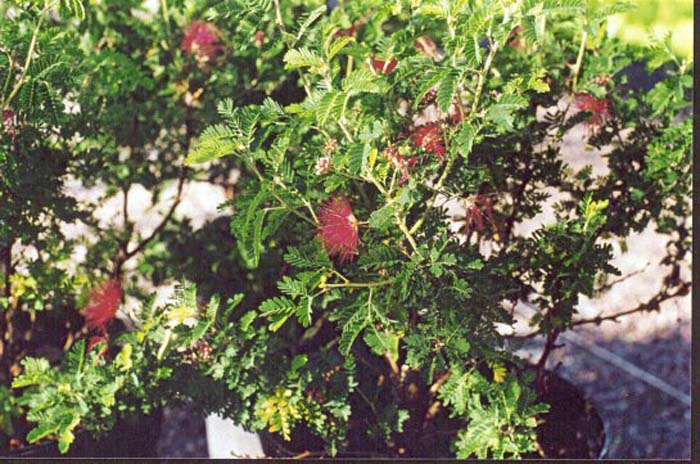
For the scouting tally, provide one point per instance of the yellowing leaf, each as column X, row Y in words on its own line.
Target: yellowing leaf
column 499, row 372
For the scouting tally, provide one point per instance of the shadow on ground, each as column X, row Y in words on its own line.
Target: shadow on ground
column 641, row 421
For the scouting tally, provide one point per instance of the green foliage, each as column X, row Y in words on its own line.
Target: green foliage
column 504, row 428
column 327, row 315
column 59, row 401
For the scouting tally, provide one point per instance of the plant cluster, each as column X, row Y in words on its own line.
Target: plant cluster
column 360, row 309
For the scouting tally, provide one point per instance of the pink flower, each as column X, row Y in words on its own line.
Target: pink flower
column 428, row 138
column 202, row 40
column 385, row 67
column 598, row 107
column 338, row 228
column 102, row 305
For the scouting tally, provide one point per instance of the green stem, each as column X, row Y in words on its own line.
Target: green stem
column 254, row 168
column 483, row 75
column 166, row 18
column 577, row 70
column 28, row 60
column 408, row 234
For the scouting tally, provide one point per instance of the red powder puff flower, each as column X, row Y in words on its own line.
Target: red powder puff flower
column 102, row 305
column 202, row 40
column 427, row 47
column 598, row 107
column 428, row 138
column 338, row 228
column 384, row 67
column 9, row 123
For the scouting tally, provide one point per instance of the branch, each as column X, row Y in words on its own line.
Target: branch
column 166, row 18
column 9, row 267
column 611, row 284
column 407, row 233
column 434, row 408
column 517, row 201
column 651, row 305
column 392, row 364
column 439, row 383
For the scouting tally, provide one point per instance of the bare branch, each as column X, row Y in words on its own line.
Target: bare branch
column 651, row 305
column 159, row 228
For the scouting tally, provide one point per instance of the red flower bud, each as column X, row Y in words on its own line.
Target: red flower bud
column 349, row 32
column 477, row 208
column 455, row 113
column 9, row 123
column 259, row 38
column 401, row 163
column 515, row 38
column 384, row 67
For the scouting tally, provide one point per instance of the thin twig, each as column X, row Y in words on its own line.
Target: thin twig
column 625, row 277
column 392, row 364
column 166, row 18
column 159, row 228
column 433, row 411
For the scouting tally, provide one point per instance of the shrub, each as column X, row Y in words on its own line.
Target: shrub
column 373, row 314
